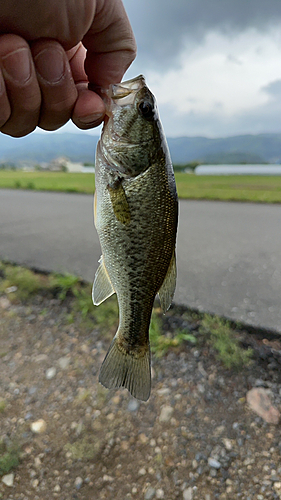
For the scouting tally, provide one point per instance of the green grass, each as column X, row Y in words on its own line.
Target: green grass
column 9, row 456
column 160, row 344
column 263, row 189
column 25, row 282
column 225, row 341
column 3, row 405
column 63, row 284
column 47, row 181
column 215, row 330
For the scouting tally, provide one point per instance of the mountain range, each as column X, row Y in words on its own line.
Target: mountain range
column 37, row 147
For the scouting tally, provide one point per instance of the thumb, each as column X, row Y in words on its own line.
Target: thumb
column 110, row 44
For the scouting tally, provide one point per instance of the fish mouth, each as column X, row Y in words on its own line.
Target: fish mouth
column 124, row 93
column 120, row 93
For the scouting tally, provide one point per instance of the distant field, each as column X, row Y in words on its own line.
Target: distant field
column 265, row 189
column 234, row 187
column 47, row 181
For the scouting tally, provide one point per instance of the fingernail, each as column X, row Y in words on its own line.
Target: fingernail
column 91, row 119
column 17, row 65
column 50, row 64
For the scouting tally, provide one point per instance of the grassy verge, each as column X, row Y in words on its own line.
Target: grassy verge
column 263, row 189
column 195, row 329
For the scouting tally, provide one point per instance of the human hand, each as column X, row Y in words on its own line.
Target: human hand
column 43, row 47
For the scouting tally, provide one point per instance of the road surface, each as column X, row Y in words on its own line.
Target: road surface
column 229, row 254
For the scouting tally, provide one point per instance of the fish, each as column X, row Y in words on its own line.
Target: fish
column 136, row 216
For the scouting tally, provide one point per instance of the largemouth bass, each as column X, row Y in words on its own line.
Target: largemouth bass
column 136, row 213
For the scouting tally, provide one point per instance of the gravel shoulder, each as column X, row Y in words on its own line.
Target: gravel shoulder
column 195, row 439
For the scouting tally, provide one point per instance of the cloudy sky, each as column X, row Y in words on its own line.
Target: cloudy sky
column 213, row 65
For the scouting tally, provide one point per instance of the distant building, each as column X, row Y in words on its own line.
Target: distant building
column 238, row 170
column 62, row 164
column 58, row 164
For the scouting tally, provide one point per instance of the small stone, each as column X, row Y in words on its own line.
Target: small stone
column 164, row 391
column 35, row 483
column 107, row 479
column 160, row 493
column 213, row 472
column 64, row 362
column 51, row 373
column 78, row 482
column 143, row 438
column 166, row 414
column 187, row 494
column 149, row 494
column 39, row 426
column 227, row 443
column 40, row 358
column 11, row 289
column 142, row 472
column 214, row 463
column 260, row 383
column 259, row 402
column 133, row 405
column 8, row 480
column 219, row 430
column 32, row 390
column 4, row 303
column 57, row 488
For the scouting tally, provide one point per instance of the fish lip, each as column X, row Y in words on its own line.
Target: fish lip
column 123, row 89
column 119, row 91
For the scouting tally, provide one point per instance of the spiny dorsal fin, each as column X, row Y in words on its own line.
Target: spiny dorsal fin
column 102, row 287
column 121, row 369
column 167, row 289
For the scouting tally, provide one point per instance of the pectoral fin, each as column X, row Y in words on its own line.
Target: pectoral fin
column 102, row 287
column 167, row 290
column 120, row 203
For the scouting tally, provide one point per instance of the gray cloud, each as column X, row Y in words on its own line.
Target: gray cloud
column 273, row 89
column 263, row 119
column 162, row 27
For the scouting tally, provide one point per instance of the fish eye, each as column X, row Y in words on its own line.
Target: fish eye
column 146, row 109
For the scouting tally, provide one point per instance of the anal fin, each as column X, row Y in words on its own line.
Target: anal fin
column 102, row 287
column 167, row 289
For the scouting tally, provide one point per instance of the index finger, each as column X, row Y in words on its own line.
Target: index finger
column 110, row 44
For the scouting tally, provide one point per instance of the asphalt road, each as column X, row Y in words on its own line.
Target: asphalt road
column 229, row 254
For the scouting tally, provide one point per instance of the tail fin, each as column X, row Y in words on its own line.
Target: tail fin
column 121, row 369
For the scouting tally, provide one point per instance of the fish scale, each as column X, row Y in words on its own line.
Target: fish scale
column 136, row 213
